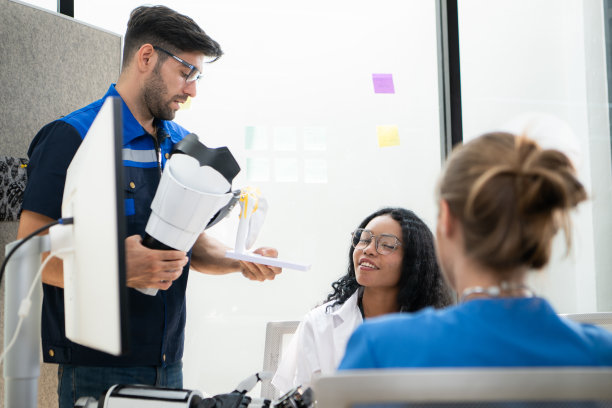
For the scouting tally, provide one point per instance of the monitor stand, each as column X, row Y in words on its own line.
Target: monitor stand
column 22, row 363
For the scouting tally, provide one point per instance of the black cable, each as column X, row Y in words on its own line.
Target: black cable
column 64, row 221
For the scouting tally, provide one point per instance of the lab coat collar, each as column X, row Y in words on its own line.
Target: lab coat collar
column 346, row 312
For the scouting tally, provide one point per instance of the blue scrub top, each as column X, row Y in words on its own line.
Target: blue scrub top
column 501, row 332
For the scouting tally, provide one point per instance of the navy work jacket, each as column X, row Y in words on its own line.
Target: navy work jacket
column 156, row 323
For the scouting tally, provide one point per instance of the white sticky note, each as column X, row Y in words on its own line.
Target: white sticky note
column 258, row 169
column 255, row 138
column 286, row 170
column 315, row 138
column 285, row 138
column 315, row 171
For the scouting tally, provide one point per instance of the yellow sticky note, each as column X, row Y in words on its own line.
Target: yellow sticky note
column 387, row 136
column 187, row 104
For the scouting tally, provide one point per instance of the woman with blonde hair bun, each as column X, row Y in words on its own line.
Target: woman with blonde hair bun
column 502, row 199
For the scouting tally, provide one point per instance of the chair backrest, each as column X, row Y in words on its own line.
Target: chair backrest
column 602, row 319
column 474, row 387
column 277, row 336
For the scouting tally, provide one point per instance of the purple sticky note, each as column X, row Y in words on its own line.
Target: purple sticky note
column 383, row 83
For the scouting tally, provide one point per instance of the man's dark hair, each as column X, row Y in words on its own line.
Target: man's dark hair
column 164, row 27
column 421, row 282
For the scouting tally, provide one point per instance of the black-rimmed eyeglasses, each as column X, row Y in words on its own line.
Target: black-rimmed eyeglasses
column 194, row 73
column 384, row 243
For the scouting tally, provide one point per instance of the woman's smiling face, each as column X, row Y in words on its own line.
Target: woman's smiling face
column 373, row 269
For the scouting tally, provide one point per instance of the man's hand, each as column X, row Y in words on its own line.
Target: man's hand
column 260, row 272
column 151, row 268
column 208, row 256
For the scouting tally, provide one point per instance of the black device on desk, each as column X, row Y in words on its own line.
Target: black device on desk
column 140, row 396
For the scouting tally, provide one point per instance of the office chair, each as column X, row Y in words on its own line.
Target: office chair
column 278, row 335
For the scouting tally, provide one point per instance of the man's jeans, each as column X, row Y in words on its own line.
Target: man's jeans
column 83, row 381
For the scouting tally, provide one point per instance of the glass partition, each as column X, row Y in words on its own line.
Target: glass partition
column 549, row 56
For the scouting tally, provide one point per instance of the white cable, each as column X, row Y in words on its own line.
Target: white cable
column 24, row 306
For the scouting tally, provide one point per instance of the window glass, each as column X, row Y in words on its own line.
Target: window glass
column 44, row 4
column 528, row 57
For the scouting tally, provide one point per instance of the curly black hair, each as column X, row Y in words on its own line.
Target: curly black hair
column 421, row 282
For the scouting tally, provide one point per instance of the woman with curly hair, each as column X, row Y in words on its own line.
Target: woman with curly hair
column 392, row 268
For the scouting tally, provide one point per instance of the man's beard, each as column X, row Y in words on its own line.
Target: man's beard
column 154, row 93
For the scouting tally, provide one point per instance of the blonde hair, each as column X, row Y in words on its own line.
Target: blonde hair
column 511, row 197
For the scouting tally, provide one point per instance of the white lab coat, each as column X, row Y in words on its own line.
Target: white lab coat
column 318, row 344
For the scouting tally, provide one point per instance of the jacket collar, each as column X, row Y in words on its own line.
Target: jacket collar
column 131, row 127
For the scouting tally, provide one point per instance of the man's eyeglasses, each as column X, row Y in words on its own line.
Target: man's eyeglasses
column 194, row 73
column 384, row 243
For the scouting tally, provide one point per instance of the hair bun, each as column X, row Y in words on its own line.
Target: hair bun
column 546, row 180
column 511, row 197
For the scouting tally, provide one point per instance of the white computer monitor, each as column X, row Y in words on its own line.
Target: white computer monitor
column 95, row 293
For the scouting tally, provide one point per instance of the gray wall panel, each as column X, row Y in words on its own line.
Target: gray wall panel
column 50, row 65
